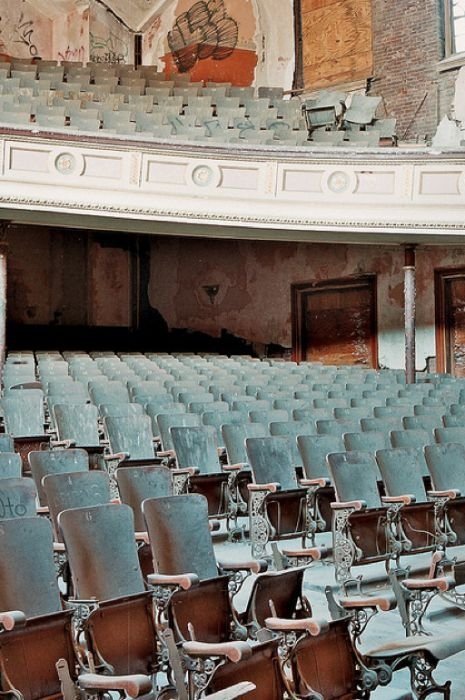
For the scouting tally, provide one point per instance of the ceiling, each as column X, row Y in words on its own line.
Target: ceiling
column 134, row 13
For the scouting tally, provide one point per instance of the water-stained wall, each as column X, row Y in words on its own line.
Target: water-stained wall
column 254, row 281
column 24, row 31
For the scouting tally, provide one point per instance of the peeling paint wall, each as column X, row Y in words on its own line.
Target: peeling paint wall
column 71, row 37
column 24, row 32
column 262, row 55
column 213, row 41
column 65, row 277
column 109, row 40
column 255, row 278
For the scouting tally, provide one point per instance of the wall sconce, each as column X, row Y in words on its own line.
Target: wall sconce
column 211, row 290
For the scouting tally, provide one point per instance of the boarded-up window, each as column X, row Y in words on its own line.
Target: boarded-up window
column 450, row 321
column 336, row 323
column 455, row 309
column 336, row 42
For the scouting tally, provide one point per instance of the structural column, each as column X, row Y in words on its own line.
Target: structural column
column 409, row 313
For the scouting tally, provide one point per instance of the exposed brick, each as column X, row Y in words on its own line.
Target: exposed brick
column 407, row 46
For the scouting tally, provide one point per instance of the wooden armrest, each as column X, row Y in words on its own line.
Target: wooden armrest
column 442, row 583
column 255, row 566
column 63, row 443
column 133, row 685
column 12, row 618
column 190, row 471
column 184, row 581
column 383, row 603
column 120, row 456
column 166, row 453
column 315, row 553
column 233, row 651
column 59, row 547
column 234, row 691
column 142, row 537
column 355, row 505
column 405, row 499
column 320, row 481
column 232, row 467
column 306, row 624
column 272, row 487
column 450, row 493
column 42, row 510
column 241, row 465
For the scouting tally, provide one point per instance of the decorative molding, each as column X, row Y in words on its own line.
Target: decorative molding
column 329, row 190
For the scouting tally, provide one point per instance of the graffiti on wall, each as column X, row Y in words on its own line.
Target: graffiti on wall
column 110, row 49
column 24, row 30
column 72, row 54
column 204, row 31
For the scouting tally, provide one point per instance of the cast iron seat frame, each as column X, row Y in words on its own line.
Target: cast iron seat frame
column 45, row 631
column 275, row 487
column 194, row 593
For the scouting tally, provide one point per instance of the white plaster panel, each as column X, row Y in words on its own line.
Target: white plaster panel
column 237, row 178
column 27, row 159
column 164, row 172
column 376, row 182
column 103, row 167
column 439, row 183
column 301, row 180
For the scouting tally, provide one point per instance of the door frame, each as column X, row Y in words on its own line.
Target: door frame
column 441, row 276
column 301, row 289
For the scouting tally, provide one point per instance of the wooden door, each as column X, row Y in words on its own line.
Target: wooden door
column 450, row 322
column 338, row 323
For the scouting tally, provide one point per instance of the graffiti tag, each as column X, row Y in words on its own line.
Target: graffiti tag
column 70, row 54
column 10, row 510
column 24, row 30
column 204, row 31
column 108, row 50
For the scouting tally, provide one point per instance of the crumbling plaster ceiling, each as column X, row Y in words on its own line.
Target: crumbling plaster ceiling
column 136, row 14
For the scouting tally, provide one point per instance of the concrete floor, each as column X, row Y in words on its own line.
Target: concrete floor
column 441, row 619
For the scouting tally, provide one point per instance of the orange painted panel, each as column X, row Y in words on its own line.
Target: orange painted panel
column 238, row 68
column 337, row 41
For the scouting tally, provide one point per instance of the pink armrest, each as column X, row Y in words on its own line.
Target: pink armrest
column 442, row 583
column 383, row 603
column 133, row 685
column 255, row 566
column 166, row 453
column 120, row 456
column 405, row 499
column 306, row 624
column 12, row 618
column 450, row 493
column 190, row 471
column 232, row 467
column 320, row 481
column 184, row 581
column 63, row 443
column 142, row 537
column 315, row 553
column 234, row 691
column 355, row 505
column 233, row 651
column 271, row 487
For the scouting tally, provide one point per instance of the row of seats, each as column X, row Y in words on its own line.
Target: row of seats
column 115, row 101
column 97, row 537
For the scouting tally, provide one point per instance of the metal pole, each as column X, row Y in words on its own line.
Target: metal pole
column 3, row 258
column 409, row 314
